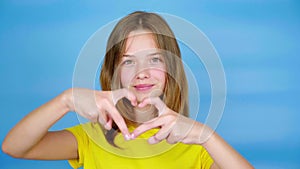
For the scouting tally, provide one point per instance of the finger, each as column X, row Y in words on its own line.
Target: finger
column 121, row 93
column 156, row 101
column 102, row 117
column 91, row 116
column 162, row 134
column 108, row 125
column 107, row 120
column 153, row 140
column 180, row 130
column 174, row 138
column 118, row 119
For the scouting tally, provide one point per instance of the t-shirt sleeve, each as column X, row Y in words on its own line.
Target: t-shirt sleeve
column 206, row 159
column 82, row 144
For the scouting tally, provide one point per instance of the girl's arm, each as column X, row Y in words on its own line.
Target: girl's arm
column 177, row 128
column 224, row 155
column 30, row 137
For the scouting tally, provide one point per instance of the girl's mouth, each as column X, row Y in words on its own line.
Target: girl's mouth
column 143, row 87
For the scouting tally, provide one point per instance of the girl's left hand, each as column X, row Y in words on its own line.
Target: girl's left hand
column 174, row 127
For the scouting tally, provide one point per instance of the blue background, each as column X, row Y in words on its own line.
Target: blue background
column 258, row 43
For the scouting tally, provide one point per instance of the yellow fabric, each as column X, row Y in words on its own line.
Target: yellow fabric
column 95, row 153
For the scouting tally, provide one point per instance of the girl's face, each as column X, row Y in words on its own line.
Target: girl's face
column 143, row 69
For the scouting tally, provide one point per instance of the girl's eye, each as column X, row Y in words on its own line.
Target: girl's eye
column 128, row 62
column 156, row 60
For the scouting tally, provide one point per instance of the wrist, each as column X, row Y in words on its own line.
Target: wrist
column 66, row 99
column 206, row 134
column 210, row 138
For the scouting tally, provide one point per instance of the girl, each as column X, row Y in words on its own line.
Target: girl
column 138, row 120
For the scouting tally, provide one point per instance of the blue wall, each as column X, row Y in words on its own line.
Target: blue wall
column 258, row 43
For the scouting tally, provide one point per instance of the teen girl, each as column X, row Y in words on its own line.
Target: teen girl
column 139, row 119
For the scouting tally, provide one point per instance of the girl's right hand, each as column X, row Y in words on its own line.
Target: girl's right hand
column 99, row 106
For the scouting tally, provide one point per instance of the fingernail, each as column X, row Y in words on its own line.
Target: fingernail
column 132, row 136
column 106, row 126
column 127, row 137
column 151, row 140
column 134, row 103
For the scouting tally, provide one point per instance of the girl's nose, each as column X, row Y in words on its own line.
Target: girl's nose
column 142, row 74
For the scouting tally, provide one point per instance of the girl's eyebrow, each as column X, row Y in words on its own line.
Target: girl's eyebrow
column 149, row 54
column 154, row 53
column 126, row 55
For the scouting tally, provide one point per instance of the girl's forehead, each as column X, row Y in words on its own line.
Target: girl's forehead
column 139, row 41
column 144, row 53
column 139, row 32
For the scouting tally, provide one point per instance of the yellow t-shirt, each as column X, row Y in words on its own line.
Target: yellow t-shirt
column 96, row 153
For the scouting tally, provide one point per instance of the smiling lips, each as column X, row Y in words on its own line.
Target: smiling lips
column 143, row 87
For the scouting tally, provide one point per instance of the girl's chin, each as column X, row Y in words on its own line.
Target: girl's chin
column 145, row 114
column 144, row 109
column 142, row 96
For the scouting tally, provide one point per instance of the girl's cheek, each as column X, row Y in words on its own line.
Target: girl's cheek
column 159, row 74
column 126, row 77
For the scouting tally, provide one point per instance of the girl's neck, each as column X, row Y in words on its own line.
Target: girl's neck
column 142, row 115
